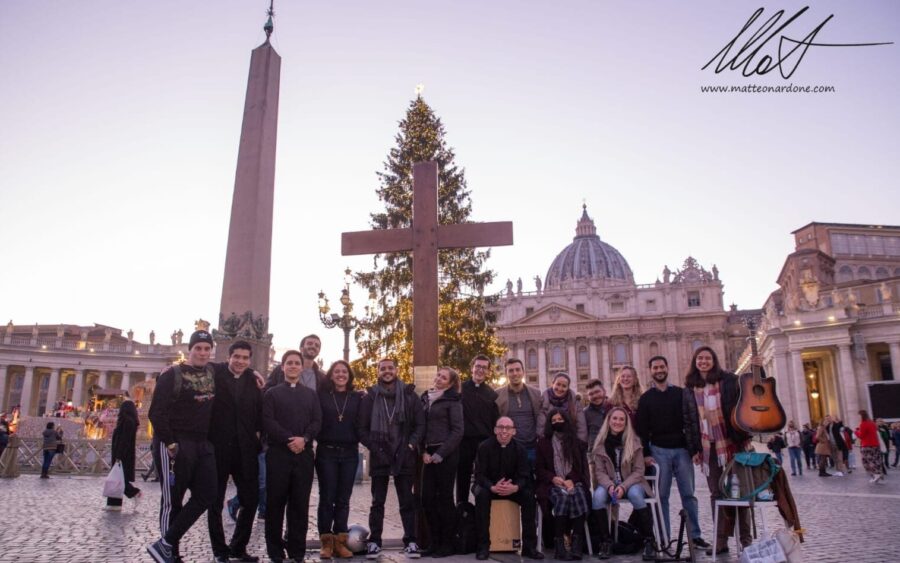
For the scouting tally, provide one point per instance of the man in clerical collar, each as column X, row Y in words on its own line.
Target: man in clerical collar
column 480, row 413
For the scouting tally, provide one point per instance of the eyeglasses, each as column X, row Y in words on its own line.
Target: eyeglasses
column 505, row 428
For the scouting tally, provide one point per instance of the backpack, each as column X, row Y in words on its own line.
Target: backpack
column 465, row 538
column 755, row 472
column 179, row 377
column 629, row 540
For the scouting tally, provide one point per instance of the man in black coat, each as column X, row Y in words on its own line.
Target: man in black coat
column 392, row 425
column 480, row 413
column 502, row 472
column 234, row 431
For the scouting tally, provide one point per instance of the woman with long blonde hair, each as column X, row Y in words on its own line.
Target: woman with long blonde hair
column 619, row 472
column 626, row 391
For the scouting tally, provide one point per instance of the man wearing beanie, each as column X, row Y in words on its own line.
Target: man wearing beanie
column 180, row 413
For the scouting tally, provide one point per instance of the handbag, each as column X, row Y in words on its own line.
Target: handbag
column 60, row 448
column 114, row 485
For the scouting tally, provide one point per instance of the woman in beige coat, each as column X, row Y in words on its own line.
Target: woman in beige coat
column 619, row 472
column 823, row 446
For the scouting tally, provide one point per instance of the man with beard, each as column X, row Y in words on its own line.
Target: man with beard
column 312, row 375
column 522, row 403
column 180, row 413
column 234, row 432
column 392, row 425
column 661, row 426
column 480, row 412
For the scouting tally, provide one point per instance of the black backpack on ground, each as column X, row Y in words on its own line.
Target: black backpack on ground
column 465, row 539
column 630, row 540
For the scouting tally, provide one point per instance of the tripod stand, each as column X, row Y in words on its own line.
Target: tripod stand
column 675, row 550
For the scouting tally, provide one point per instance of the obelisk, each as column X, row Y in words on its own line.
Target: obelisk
column 244, row 312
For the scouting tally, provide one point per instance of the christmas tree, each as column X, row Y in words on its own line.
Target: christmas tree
column 464, row 329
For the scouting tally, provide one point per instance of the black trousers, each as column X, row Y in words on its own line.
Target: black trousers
column 195, row 471
column 403, row 485
column 229, row 462
column 289, row 478
column 468, row 449
column 525, row 499
column 437, row 499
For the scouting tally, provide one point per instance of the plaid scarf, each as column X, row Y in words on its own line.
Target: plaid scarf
column 712, row 425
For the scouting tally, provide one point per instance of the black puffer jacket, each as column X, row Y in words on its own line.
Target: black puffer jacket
column 730, row 392
column 443, row 422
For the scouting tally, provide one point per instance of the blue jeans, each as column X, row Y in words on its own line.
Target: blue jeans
column 48, row 459
column 677, row 462
column 635, row 494
column 336, row 470
column 796, row 460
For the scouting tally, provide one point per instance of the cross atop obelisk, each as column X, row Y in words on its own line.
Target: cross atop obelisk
column 424, row 239
column 244, row 312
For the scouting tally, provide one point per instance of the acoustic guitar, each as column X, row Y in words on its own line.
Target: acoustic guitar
column 758, row 410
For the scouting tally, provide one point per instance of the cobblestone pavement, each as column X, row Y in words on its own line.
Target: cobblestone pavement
column 847, row 519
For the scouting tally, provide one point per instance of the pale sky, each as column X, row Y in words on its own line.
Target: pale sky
column 120, row 124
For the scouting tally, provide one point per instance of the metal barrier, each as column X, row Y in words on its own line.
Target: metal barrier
column 82, row 457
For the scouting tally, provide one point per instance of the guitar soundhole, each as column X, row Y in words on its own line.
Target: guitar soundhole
column 758, row 390
column 759, row 409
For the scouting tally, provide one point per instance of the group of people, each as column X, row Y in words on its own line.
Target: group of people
column 543, row 450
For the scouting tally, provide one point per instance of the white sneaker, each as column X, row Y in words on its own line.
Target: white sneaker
column 873, row 479
column 412, row 550
column 838, row 474
column 372, row 550
column 113, row 508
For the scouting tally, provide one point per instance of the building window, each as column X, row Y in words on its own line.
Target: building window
column 693, row 298
column 696, row 343
column 654, row 349
column 651, row 304
column 840, row 244
column 845, row 274
column 881, row 273
column 580, row 307
column 864, row 273
column 876, row 245
column 617, row 307
column 556, row 357
column 583, row 358
column 532, row 379
column 620, row 355
column 532, row 359
column 892, row 246
column 529, row 311
column 858, row 245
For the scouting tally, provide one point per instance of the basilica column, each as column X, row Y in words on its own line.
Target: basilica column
column 78, row 388
column 126, row 381
column 27, row 387
column 592, row 354
column 103, row 380
column 636, row 354
column 672, row 352
column 3, row 388
column 604, row 356
column 798, row 376
column 542, row 365
column 894, row 348
column 847, row 383
column 52, row 390
column 572, row 367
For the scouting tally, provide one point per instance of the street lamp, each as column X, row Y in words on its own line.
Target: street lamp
column 346, row 321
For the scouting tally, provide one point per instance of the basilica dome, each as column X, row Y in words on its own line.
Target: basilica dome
column 587, row 258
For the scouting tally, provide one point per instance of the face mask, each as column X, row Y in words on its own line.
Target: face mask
column 559, row 426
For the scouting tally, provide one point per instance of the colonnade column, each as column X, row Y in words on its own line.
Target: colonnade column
column 52, row 389
column 77, row 389
column 126, row 381
column 894, row 348
column 798, row 376
column 604, row 357
column 27, row 387
column 542, row 365
column 2, row 388
column 847, row 383
column 572, row 366
column 103, row 380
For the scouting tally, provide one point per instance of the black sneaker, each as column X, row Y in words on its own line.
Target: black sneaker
column 243, row 556
column 482, row 555
column 722, row 549
column 700, row 542
column 531, row 553
column 161, row 552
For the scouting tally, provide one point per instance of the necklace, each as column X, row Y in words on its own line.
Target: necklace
column 343, row 408
column 390, row 412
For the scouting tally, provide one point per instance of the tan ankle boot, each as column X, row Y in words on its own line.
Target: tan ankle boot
column 327, row 546
column 340, row 546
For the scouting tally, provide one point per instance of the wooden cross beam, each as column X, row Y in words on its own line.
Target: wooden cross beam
column 424, row 239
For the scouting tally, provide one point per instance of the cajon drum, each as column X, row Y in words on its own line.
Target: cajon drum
column 505, row 525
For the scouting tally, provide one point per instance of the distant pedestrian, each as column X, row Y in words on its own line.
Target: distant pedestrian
column 809, row 448
column 895, row 436
column 884, row 436
column 123, row 442
column 4, row 433
column 794, row 444
column 775, row 445
column 823, row 447
column 868, row 444
column 51, row 441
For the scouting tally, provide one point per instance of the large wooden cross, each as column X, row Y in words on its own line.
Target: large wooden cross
column 424, row 239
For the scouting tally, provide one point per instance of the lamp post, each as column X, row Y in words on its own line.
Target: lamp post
column 346, row 321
